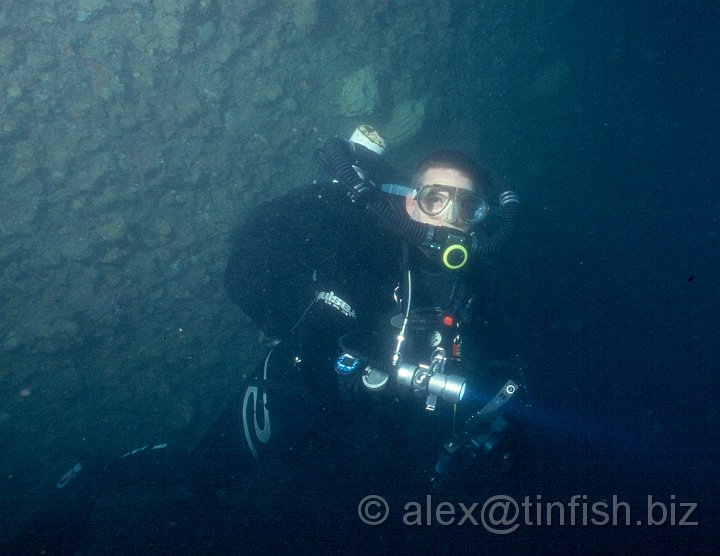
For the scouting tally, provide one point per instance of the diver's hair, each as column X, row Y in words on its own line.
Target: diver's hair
column 456, row 160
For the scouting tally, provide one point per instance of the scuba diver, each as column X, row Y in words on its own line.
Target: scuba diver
column 364, row 289
column 367, row 289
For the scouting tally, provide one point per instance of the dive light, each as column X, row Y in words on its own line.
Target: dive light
column 431, row 380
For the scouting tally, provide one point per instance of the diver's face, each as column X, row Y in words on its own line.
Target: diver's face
column 450, row 215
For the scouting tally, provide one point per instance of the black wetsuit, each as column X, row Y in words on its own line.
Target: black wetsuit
column 312, row 271
column 309, row 240
column 308, row 269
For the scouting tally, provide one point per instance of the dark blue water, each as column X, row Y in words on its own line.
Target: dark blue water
column 614, row 278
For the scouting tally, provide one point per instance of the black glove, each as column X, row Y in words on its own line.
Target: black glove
column 489, row 448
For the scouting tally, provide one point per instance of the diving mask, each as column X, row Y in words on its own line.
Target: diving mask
column 435, row 199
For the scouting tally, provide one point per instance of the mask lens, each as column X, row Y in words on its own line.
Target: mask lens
column 433, row 199
column 473, row 207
